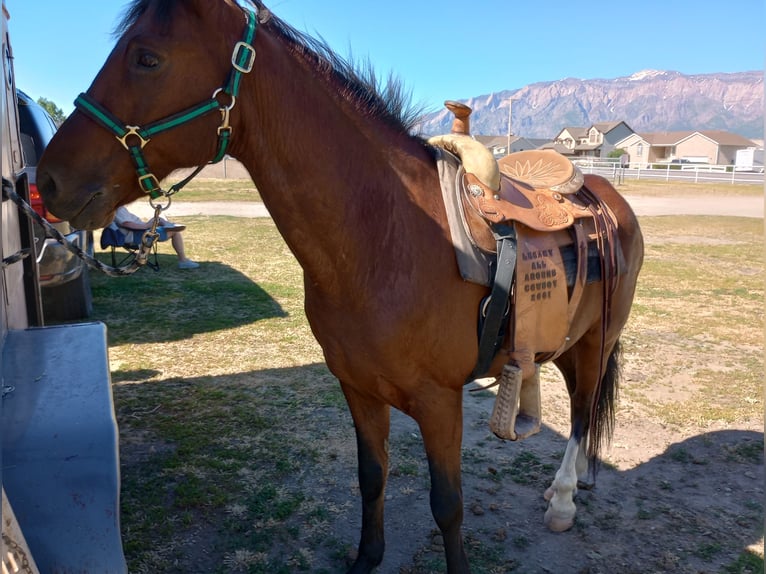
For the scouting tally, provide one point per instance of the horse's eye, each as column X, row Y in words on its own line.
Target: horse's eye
column 148, row 60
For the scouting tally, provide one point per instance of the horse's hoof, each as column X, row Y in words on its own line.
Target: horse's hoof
column 557, row 522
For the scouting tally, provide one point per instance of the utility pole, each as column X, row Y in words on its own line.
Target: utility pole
column 510, row 117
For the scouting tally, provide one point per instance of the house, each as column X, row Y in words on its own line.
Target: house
column 714, row 147
column 498, row 145
column 596, row 141
column 567, row 140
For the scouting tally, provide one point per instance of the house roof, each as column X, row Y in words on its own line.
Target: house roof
column 538, row 142
column 726, row 138
column 587, row 146
column 495, row 141
column 562, row 149
column 575, row 132
column 673, row 138
column 606, row 127
column 632, row 139
column 602, row 127
column 664, row 138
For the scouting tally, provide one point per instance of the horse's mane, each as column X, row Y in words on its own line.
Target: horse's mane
column 389, row 102
column 164, row 8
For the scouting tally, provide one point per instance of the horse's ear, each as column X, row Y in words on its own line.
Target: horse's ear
column 264, row 14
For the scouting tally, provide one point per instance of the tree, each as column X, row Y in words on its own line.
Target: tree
column 616, row 152
column 56, row 112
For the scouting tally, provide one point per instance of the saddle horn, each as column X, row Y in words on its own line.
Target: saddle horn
column 461, row 122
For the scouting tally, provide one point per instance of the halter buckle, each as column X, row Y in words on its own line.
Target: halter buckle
column 151, row 180
column 132, row 131
column 249, row 50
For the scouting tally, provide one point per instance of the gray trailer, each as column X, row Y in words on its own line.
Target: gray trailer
column 60, row 457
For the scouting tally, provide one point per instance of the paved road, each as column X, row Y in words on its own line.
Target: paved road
column 698, row 205
column 181, row 208
column 692, row 205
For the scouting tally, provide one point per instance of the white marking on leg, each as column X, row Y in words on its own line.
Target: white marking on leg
column 560, row 495
column 582, row 463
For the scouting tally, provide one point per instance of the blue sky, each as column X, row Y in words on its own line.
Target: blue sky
column 440, row 49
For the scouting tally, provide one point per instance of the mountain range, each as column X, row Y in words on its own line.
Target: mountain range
column 648, row 101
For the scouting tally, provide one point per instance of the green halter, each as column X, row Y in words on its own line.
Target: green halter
column 242, row 60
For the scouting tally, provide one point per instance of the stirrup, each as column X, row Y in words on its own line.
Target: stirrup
column 517, row 412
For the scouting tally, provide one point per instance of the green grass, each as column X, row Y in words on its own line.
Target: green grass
column 700, row 295
column 746, row 563
column 673, row 188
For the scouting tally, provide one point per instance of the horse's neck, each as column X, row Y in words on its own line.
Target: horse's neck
column 339, row 208
column 337, row 184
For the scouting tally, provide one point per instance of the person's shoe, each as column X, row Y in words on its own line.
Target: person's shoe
column 188, row 264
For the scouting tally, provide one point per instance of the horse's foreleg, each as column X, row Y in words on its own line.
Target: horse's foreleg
column 442, row 429
column 372, row 424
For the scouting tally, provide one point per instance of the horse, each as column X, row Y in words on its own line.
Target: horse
column 355, row 194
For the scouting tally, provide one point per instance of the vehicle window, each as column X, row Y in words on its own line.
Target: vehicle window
column 35, row 122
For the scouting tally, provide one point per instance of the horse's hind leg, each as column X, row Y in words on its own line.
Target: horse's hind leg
column 560, row 494
column 372, row 424
column 441, row 424
column 580, row 366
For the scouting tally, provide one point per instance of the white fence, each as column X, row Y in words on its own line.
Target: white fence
column 610, row 168
column 696, row 173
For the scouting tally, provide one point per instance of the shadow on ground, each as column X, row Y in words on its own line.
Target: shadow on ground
column 177, row 303
column 258, row 470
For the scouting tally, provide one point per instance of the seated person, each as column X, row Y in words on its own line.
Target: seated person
column 165, row 229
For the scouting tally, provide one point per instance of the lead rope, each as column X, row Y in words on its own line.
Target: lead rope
column 141, row 257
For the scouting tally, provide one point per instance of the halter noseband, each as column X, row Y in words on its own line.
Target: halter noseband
column 242, row 60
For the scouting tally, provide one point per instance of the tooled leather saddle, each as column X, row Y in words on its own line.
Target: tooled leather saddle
column 521, row 213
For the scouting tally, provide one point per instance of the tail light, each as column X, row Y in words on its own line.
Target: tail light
column 37, row 204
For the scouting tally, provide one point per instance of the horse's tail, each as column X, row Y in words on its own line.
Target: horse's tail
column 602, row 420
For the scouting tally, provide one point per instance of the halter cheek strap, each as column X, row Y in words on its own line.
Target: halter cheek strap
column 135, row 138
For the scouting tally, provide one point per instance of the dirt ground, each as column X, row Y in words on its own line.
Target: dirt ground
column 664, row 501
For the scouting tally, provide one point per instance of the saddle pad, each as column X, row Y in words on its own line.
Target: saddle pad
column 473, row 263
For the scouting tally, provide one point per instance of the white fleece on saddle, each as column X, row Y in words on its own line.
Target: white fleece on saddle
column 476, row 158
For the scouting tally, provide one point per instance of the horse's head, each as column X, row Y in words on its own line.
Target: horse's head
column 125, row 135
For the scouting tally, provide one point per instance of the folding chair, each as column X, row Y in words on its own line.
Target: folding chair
column 114, row 236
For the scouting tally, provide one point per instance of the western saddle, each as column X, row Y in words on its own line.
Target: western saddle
column 524, row 208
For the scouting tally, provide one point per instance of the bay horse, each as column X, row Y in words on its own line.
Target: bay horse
column 356, row 197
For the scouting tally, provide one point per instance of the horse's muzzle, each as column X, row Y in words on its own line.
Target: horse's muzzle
column 85, row 206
